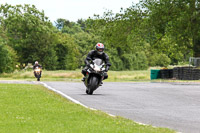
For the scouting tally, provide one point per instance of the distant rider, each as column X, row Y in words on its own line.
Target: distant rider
column 98, row 53
column 37, row 65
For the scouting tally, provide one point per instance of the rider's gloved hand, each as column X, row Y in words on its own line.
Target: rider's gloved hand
column 87, row 64
column 107, row 68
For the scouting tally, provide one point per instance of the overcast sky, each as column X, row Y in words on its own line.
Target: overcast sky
column 74, row 9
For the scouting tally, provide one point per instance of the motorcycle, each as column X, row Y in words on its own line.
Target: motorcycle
column 37, row 72
column 94, row 76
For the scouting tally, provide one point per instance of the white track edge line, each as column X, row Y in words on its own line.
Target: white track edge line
column 64, row 95
column 70, row 98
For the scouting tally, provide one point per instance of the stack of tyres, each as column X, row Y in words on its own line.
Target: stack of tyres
column 193, row 73
column 184, row 75
column 176, row 72
column 166, row 73
column 187, row 73
column 181, row 73
column 170, row 73
column 196, row 74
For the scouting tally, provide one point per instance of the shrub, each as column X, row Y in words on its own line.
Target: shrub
column 136, row 61
column 8, row 59
column 159, row 60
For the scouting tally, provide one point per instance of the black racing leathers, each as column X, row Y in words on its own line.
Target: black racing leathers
column 93, row 55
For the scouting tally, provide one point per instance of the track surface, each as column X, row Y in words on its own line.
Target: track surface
column 171, row 105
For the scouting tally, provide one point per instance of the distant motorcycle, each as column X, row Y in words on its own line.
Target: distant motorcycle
column 94, row 76
column 37, row 72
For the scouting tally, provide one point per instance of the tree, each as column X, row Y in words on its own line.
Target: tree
column 120, row 32
column 85, row 42
column 179, row 20
column 61, row 23
column 82, row 24
column 67, row 52
column 30, row 34
column 8, row 57
column 65, row 26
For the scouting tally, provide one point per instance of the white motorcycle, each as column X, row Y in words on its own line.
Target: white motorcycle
column 94, row 76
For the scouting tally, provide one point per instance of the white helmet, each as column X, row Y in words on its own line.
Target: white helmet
column 100, row 48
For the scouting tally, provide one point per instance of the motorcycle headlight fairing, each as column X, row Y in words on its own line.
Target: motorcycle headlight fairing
column 37, row 70
column 97, row 68
column 103, row 69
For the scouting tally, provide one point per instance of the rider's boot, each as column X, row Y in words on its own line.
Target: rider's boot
column 83, row 79
column 101, row 83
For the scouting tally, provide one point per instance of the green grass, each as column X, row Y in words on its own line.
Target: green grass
column 76, row 76
column 123, row 76
column 64, row 75
column 34, row 109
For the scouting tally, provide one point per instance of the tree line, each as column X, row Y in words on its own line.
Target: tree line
column 150, row 33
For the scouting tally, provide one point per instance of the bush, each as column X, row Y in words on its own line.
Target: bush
column 159, row 60
column 8, row 59
column 117, row 63
column 50, row 60
column 142, row 62
column 164, row 60
column 67, row 53
column 136, row 61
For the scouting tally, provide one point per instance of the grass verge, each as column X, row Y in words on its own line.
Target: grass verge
column 76, row 76
column 63, row 75
column 34, row 109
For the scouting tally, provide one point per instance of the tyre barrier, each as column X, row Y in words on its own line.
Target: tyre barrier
column 186, row 73
column 179, row 73
column 166, row 73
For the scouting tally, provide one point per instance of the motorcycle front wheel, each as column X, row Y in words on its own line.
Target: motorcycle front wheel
column 93, row 84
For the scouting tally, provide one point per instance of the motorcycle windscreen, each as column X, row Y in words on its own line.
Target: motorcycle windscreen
column 98, row 61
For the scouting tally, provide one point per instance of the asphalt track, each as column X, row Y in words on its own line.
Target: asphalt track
column 171, row 105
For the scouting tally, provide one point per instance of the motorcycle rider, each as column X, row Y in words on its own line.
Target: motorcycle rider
column 98, row 53
column 37, row 65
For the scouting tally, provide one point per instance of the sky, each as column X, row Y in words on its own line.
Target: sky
column 73, row 10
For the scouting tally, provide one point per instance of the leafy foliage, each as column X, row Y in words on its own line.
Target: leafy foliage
column 67, row 52
column 7, row 59
column 178, row 21
column 150, row 33
column 29, row 33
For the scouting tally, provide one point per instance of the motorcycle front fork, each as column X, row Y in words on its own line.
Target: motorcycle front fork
column 86, row 78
